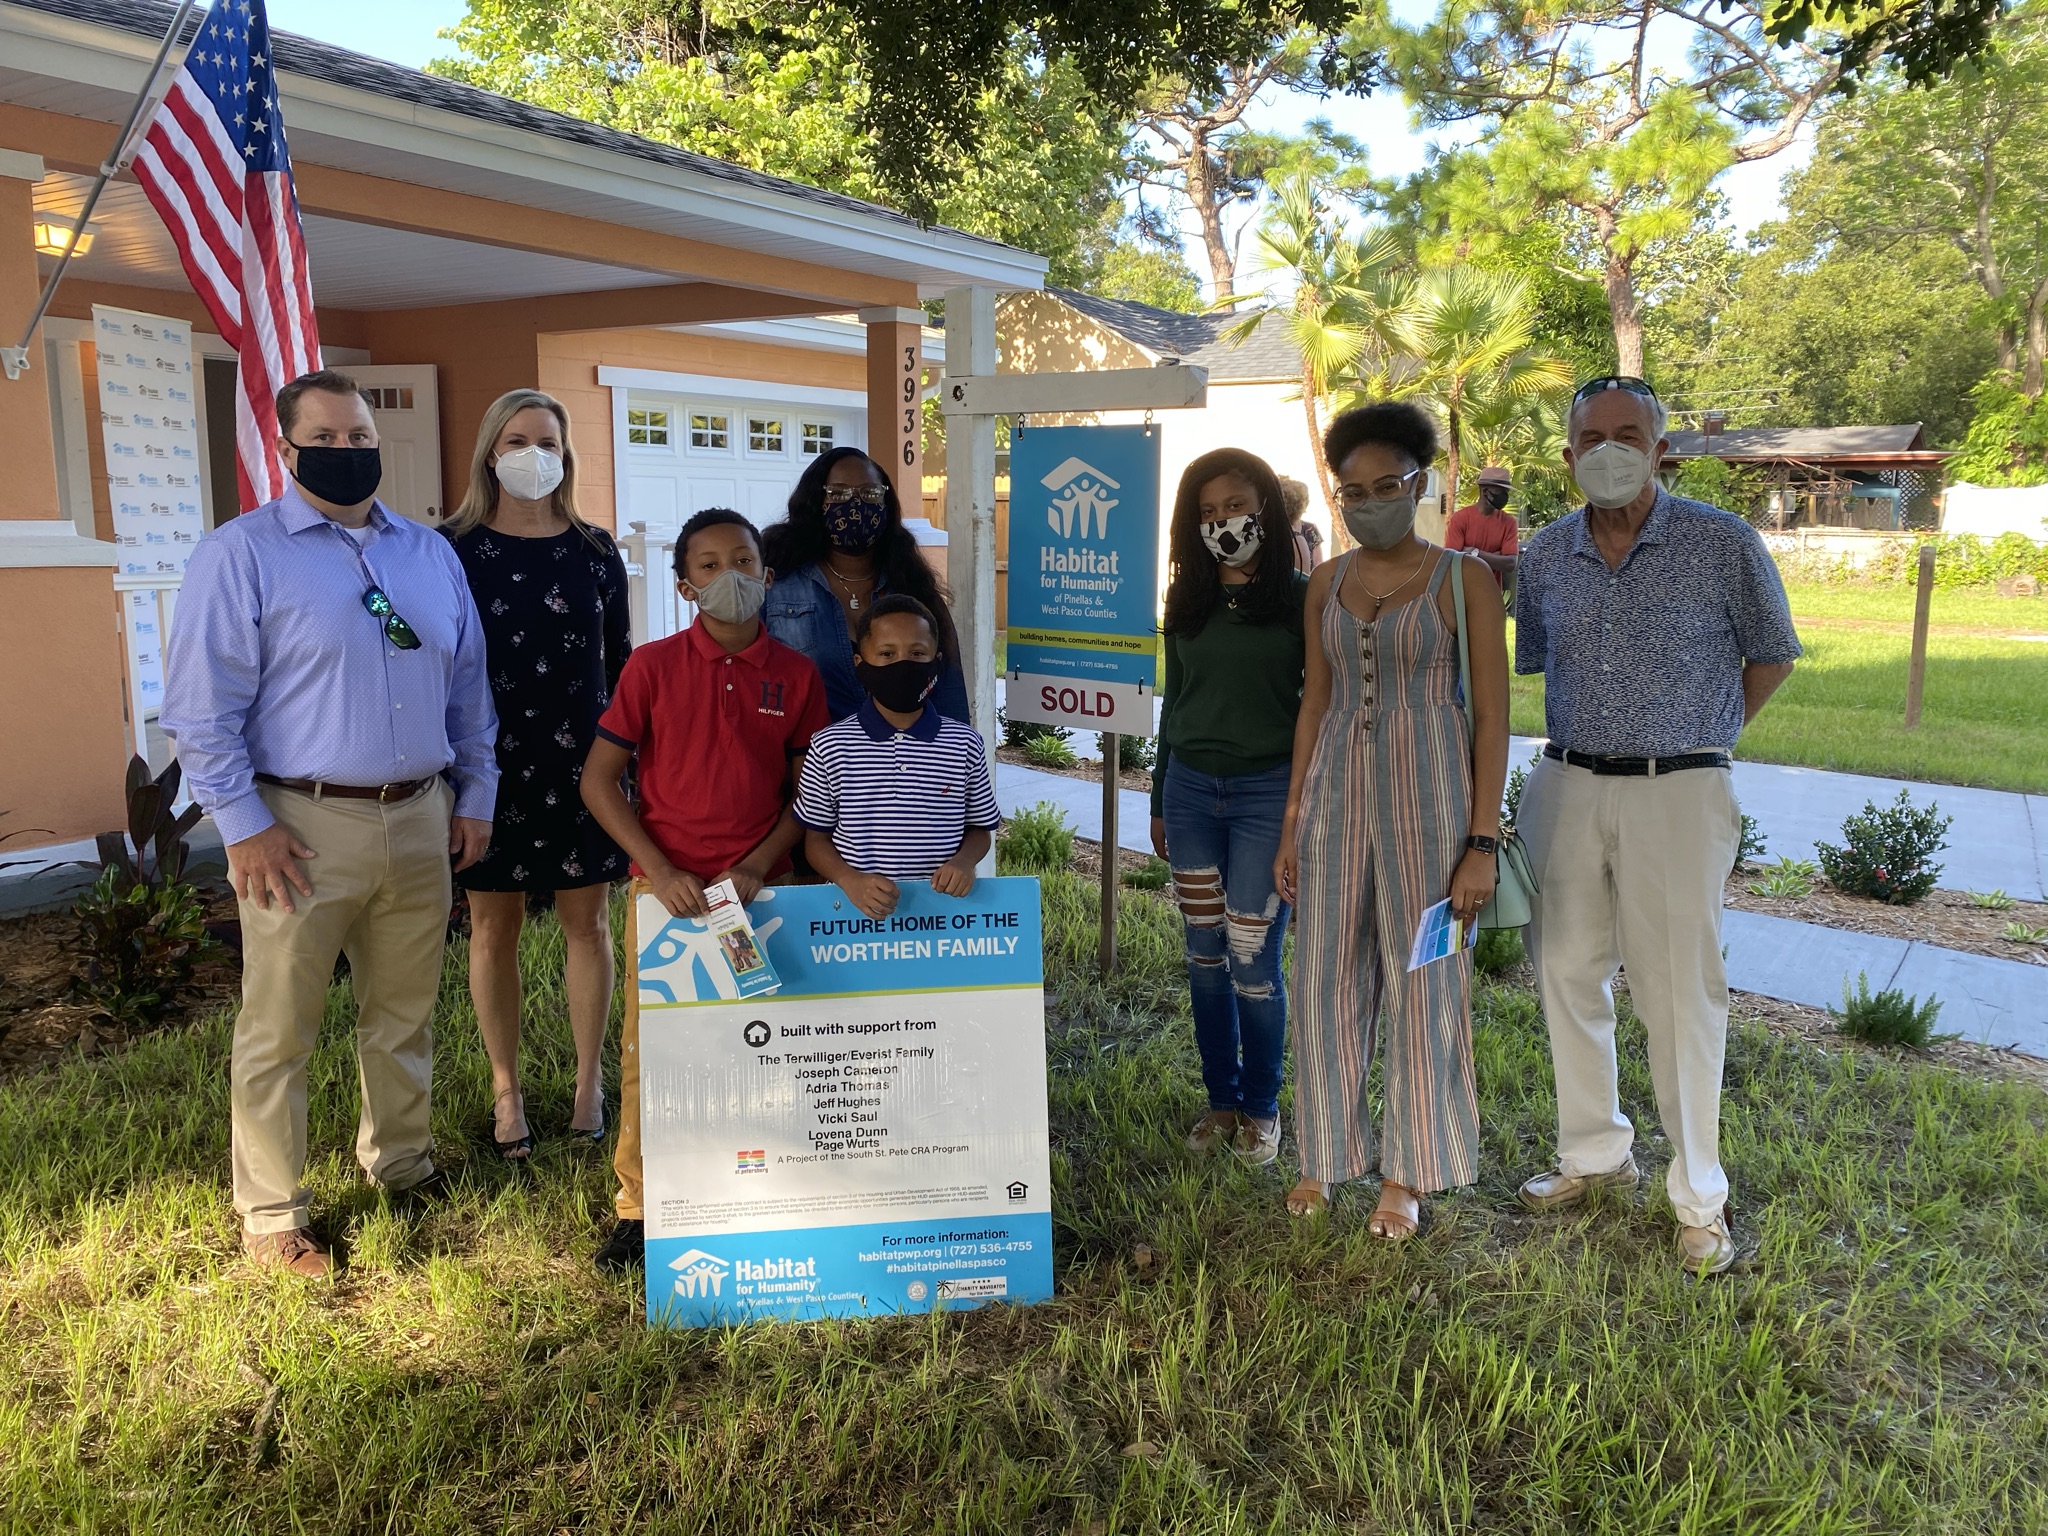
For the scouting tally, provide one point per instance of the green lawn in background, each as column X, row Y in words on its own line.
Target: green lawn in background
column 1984, row 713
column 1208, row 1364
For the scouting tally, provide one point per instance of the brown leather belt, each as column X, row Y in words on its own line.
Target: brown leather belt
column 383, row 794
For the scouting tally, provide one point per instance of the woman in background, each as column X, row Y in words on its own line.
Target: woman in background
column 551, row 591
column 843, row 546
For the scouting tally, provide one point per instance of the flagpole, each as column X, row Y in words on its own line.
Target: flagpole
column 143, row 111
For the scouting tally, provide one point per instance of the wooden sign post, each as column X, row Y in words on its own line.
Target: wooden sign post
column 1916, row 668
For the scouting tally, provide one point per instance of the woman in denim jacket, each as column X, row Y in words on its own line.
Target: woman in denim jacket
column 843, row 546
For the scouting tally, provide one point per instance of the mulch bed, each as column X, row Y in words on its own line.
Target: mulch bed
column 1944, row 918
column 1087, row 861
column 41, row 1019
column 1089, row 769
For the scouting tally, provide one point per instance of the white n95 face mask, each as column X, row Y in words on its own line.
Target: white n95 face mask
column 1612, row 474
column 530, row 473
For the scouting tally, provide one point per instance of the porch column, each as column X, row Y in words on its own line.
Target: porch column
column 971, row 505
column 895, row 399
column 62, row 695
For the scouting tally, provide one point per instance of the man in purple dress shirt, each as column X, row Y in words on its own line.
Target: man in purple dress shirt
column 327, row 694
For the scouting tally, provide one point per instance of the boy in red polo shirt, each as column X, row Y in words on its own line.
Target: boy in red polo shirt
column 719, row 716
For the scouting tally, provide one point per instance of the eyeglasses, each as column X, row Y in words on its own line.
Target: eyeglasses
column 396, row 630
column 871, row 496
column 1628, row 381
column 1386, row 488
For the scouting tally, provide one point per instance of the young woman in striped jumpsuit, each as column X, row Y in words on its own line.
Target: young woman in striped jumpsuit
column 1393, row 807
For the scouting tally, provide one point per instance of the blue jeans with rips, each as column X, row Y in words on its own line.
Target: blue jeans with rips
column 1222, row 835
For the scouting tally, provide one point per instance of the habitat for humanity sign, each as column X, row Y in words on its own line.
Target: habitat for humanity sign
column 871, row 1137
column 1083, row 580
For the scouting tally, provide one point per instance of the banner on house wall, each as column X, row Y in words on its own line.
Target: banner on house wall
column 149, row 426
column 870, row 1138
column 1083, row 630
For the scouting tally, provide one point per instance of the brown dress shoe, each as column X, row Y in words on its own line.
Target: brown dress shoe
column 297, row 1250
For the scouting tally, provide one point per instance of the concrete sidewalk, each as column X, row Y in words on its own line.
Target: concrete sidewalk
column 1999, row 840
column 1986, row 1000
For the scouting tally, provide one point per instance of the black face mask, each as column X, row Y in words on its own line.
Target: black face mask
column 899, row 685
column 345, row 477
column 1494, row 497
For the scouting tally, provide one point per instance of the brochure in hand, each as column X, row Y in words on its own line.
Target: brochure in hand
column 1440, row 934
column 727, row 920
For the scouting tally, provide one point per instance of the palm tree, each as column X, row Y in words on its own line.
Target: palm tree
column 1468, row 336
column 1343, row 295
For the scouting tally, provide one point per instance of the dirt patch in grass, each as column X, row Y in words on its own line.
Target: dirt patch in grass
column 1945, row 918
column 43, row 1020
column 1088, row 859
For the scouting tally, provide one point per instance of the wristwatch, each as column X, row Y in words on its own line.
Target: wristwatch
column 1483, row 844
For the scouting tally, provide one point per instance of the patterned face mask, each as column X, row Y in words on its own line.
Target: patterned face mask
column 855, row 522
column 1234, row 540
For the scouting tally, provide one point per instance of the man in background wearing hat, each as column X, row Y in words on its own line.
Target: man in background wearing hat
column 1485, row 528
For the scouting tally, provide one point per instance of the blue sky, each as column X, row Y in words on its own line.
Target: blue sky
column 404, row 32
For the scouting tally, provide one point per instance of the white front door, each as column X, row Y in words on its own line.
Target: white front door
column 406, row 403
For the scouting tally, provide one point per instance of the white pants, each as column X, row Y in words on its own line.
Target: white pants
column 1631, row 871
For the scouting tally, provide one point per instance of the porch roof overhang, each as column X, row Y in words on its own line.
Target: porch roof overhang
column 1904, row 459
column 391, row 157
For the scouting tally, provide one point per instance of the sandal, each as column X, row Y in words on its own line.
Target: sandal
column 578, row 1134
column 517, row 1150
column 1392, row 1225
column 1308, row 1198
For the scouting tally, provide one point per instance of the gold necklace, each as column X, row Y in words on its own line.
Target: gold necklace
column 1379, row 598
column 852, row 597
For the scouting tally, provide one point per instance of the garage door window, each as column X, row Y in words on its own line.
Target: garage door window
column 764, row 434
column 817, row 438
column 710, row 430
column 647, row 429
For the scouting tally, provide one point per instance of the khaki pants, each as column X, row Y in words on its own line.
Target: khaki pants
column 381, row 892
column 627, row 1203
column 1631, row 871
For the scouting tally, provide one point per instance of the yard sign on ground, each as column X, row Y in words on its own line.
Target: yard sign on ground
column 871, row 1138
column 1084, row 582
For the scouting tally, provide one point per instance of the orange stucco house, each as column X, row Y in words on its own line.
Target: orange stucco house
column 710, row 328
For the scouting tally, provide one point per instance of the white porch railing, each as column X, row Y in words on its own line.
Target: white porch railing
column 658, row 609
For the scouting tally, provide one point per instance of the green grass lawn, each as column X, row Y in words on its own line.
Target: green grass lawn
column 1878, row 1365
column 1984, row 713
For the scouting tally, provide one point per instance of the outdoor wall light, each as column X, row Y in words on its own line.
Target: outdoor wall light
column 53, row 239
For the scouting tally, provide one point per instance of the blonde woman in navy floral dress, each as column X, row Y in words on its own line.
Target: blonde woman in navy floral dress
column 551, row 590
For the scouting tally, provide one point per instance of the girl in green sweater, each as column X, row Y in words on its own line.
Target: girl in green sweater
column 1234, row 660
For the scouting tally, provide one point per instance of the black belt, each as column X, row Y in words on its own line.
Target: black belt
column 383, row 794
column 1634, row 767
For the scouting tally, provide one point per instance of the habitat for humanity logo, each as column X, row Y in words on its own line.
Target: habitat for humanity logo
column 699, row 1274
column 1080, row 496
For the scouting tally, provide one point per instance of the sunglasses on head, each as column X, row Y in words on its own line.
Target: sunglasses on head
column 396, row 630
column 1628, row 381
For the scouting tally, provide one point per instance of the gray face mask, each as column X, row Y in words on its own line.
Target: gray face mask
column 1380, row 522
column 732, row 597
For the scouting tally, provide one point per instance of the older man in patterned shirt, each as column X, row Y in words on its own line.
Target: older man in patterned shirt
column 1660, row 627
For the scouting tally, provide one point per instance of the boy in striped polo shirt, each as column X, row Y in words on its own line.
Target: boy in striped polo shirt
column 896, row 791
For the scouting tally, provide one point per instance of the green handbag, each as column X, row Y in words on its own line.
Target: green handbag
column 1515, row 888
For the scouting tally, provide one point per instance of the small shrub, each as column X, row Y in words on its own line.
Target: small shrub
column 1511, row 798
column 1153, row 877
column 1050, row 752
column 1035, row 842
column 141, row 928
column 1751, row 848
column 1991, row 901
column 1133, row 753
column 1791, row 880
column 2020, row 933
column 1499, row 951
column 1021, row 733
column 1886, row 853
column 1888, row 1017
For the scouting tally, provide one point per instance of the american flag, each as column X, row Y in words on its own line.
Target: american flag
column 215, row 166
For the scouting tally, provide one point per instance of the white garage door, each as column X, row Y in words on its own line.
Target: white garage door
column 688, row 452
